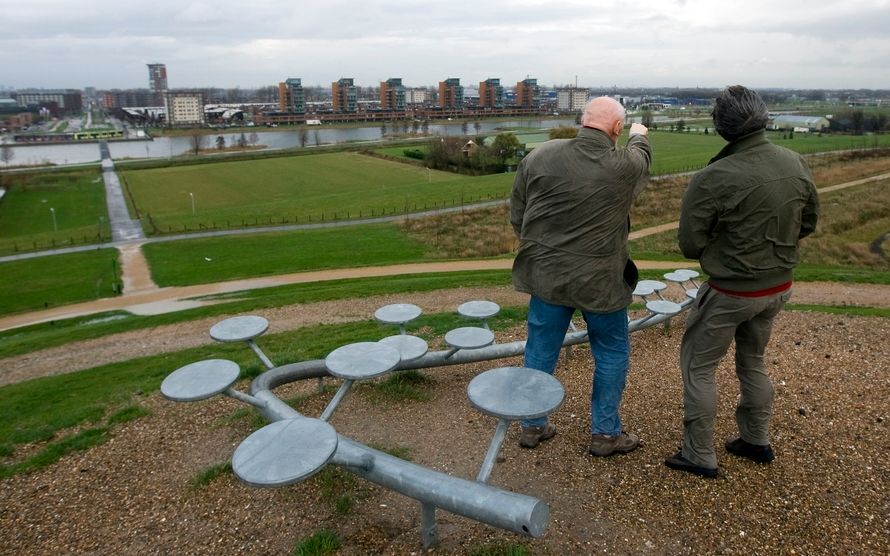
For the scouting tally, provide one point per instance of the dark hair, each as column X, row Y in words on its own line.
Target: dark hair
column 739, row 111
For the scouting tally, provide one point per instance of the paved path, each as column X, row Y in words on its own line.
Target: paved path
column 152, row 301
column 123, row 228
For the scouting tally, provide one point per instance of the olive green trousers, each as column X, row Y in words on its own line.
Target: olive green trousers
column 715, row 320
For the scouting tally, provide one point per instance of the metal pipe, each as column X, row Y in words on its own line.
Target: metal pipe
column 496, row 507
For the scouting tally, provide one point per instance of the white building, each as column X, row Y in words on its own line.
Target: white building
column 184, row 108
column 571, row 99
column 417, row 96
column 799, row 123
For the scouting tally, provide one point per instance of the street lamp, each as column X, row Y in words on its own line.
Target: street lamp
column 192, row 195
column 53, row 212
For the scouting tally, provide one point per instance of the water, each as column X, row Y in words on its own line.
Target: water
column 165, row 147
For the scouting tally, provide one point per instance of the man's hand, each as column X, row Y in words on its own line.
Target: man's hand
column 638, row 129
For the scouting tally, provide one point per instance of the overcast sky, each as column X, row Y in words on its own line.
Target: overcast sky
column 645, row 43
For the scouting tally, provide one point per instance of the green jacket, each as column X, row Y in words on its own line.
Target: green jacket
column 742, row 215
column 569, row 208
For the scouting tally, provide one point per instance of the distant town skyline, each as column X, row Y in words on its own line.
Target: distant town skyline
column 671, row 43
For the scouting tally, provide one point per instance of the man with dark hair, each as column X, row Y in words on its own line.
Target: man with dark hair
column 569, row 208
column 741, row 217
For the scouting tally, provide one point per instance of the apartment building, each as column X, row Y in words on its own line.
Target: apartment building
column 528, row 94
column 392, row 94
column 491, row 93
column 291, row 97
column 344, row 95
column 451, row 93
column 184, row 108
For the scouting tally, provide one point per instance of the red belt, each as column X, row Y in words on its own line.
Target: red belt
column 758, row 293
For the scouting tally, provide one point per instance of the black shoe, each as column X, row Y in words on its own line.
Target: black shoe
column 754, row 452
column 678, row 462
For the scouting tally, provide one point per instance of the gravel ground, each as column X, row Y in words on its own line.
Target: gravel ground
column 828, row 492
column 121, row 347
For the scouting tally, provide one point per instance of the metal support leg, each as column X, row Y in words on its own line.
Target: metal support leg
column 493, row 448
column 335, row 401
column 429, row 530
column 246, row 398
column 259, row 353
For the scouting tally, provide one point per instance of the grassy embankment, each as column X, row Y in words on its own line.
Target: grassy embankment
column 79, row 410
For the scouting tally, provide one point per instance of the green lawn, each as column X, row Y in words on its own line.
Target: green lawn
column 295, row 189
column 34, row 284
column 217, row 259
column 76, row 198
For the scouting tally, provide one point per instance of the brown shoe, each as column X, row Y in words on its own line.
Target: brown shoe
column 532, row 436
column 603, row 445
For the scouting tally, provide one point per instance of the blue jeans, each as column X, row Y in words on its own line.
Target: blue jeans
column 609, row 344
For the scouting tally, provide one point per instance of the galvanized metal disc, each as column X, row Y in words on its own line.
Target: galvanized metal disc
column 284, row 452
column 410, row 347
column 469, row 337
column 239, row 329
column 676, row 277
column 515, row 393
column 690, row 274
column 362, row 360
column 200, row 380
column 398, row 313
column 643, row 289
column 654, row 284
column 692, row 293
column 663, row 307
column 479, row 309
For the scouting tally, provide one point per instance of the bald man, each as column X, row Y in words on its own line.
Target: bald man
column 569, row 208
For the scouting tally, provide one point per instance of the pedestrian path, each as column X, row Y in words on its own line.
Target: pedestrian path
column 123, row 228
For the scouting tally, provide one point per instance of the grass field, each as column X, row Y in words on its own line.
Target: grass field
column 77, row 199
column 34, row 284
column 329, row 186
column 217, row 259
column 683, row 152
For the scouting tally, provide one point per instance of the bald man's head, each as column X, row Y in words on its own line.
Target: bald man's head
column 605, row 114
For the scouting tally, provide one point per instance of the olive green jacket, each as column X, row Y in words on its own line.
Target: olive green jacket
column 569, row 208
column 743, row 214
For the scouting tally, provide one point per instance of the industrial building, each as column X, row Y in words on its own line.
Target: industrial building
column 798, row 123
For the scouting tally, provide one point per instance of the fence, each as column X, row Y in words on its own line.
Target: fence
column 32, row 245
column 156, row 227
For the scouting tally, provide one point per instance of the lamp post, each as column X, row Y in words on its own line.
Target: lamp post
column 53, row 212
column 192, row 195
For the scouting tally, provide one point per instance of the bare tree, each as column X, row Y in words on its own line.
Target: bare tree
column 304, row 136
column 196, row 142
column 317, row 138
column 253, row 138
column 220, row 142
column 6, row 153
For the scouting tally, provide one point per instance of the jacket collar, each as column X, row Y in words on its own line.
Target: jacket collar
column 743, row 143
column 596, row 135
